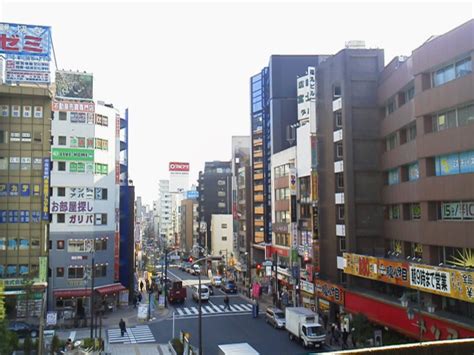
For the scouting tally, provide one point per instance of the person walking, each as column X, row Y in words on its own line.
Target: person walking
column 123, row 326
column 226, row 303
column 141, row 285
column 353, row 338
column 345, row 335
column 135, row 300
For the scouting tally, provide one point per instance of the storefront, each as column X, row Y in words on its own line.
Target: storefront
column 307, row 293
column 330, row 299
column 108, row 297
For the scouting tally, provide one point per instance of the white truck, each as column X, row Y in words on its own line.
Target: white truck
column 302, row 324
column 237, row 349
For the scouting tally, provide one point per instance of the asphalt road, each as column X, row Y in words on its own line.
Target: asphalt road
column 226, row 328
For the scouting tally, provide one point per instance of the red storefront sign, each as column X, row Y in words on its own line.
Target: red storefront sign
column 329, row 291
column 395, row 317
column 270, row 250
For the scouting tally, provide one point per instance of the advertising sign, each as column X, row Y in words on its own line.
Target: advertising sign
column 43, row 269
column 80, row 219
column 28, row 69
column 46, row 171
column 73, row 154
column 292, row 177
column 307, row 287
column 192, row 195
column 73, row 106
column 2, row 300
column 175, row 166
column 74, row 85
column 25, row 39
column 428, row 278
column 306, row 91
column 51, row 318
column 361, row 265
column 330, row 291
column 394, row 272
column 457, row 210
column 71, row 206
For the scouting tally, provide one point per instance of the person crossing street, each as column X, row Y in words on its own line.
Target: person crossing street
column 226, row 303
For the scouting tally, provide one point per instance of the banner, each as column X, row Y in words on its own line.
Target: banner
column 72, row 154
column 46, row 172
column 74, row 85
column 329, row 291
column 74, row 106
column 25, row 39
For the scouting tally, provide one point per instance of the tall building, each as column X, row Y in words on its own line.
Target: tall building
column 395, row 169
column 189, row 225
column 214, row 189
column 24, row 196
column 165, row 207
column 84, row 230
column 273, row 111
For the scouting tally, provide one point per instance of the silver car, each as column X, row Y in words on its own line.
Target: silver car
column 275, row 317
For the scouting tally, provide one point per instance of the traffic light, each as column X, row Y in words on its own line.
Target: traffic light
column 259, row 267
column 190, row 259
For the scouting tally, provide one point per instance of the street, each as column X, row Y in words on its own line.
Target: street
column 224, row 327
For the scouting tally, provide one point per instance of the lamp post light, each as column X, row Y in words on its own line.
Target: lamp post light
column 405, row 301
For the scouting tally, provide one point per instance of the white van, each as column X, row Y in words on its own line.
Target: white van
column 204, row 293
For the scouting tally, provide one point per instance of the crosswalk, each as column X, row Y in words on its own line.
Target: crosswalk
column 213, row 309
column 134, row 335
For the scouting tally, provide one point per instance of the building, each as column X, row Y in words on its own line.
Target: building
column 214, row 189
column 84, row 230
column 165, row 215
column 221, row 237
column 273, row 112
column 189, row 225
column 395, row 169
column 24, row 197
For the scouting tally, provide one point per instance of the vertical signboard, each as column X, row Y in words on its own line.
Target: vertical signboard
column 179, row 176
column 46, row 171
column 43, row 269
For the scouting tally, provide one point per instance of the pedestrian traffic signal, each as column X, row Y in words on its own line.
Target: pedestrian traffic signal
column 259, row 267
column 190, row 259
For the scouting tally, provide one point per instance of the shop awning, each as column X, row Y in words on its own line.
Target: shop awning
column 78, row 292
column 105, row 290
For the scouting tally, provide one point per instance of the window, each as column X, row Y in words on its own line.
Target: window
column 282, row 217
column 3, row 137
column 452, row 71
column 37, row 163
column 75, row 272
column 100, row 244
column 59, row 272
column 391, row 141
column 457, row 163
column 76, row 246
column 101, row 169
column 100, row 219
column 393, row 177
column 37, row 137
column 411, row 132
column 465, row 115
column 224, row 225
column 417, row 250
column 100, row 193
column 61, row 218
column 61, row 140
column 410, row 94
column 25, row 163
column 60, row 244
column 394, row 212
column 282, row 194
column 100, row 270
column 221, row 204
column 454, row 118
column 340, row 180
column 340, row 213
column 221, row 193
column 14, row 163
column 339, row 150
column 413, row 172
column 390, row 107
column 337, row 92
column 61, row 166
column 61, row 191
column 415, row 211
column 338, row 118
column 282, row 239
column 282, row 170
column 24, row 244
column 224, row 238
column 62, row 116
column 342, row 244
column 456, row 210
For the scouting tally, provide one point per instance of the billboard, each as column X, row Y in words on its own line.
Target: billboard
column 179, row 176
column 73, row 106
column 192, row 195
column 25, row 39
column 74, row 85
column 176, row 167
column 27, row 69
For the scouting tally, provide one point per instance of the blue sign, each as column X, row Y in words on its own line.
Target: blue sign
column 25, row 190
column 25, row 39
column 13, row 189
column 3, row 189
column 192, row 195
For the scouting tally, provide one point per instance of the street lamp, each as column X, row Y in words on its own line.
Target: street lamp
column 405, row 301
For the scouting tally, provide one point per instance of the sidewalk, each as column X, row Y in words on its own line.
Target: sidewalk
column 140, row 349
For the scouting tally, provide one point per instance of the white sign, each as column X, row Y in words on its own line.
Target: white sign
column 142, row 312
column 430, row 279
column 306, row 92
column 51, row 318
column 307, row 286
column 457, row 210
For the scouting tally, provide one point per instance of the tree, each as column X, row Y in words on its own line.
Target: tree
column 9, row 340
column 363, row 329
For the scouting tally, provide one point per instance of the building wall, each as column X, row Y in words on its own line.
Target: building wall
column 221, row 227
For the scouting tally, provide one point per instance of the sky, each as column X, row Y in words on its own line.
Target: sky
column 183, row 68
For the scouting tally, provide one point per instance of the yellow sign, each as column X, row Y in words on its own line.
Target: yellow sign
column 2, row 300
column 361, row 265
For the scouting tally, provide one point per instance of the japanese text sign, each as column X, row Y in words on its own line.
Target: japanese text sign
column 73, row 154
column 330, row 292
column 25, row 39
column 71, row 206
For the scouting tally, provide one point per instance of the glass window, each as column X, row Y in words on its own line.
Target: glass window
column 393, row 176
column 463, row 67
column 410, row 93
column 411, row 132
column 413, row 172
column 443, row 75
column 14, row 163
column 62, row 116
column 394, row 212
column 25, row 163
column 59, row 272
column 392, row 141
column 75, row 272
column 24, row 243
column 61, row 140
column 61, row 218
column 37, row 163
column 449, row 164
column 466, row 115
column 415, row 211
column 12, row 244
column 76, row 246
column 11, row 270
column 61, row 166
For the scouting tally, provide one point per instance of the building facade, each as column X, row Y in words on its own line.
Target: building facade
column 84, row 230
column 24, row 197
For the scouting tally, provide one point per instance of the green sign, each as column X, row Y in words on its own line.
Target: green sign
column 43, row 269
column 73, row 154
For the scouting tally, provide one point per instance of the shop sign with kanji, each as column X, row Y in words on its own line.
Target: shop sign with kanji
column 25, row 39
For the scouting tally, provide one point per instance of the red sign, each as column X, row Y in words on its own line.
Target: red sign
column 396, row 318
column 73, row 106
column 329, row 291
column 175, row 166
column 270, row 250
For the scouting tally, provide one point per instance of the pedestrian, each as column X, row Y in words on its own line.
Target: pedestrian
column 345, row 335
column 123, row 326
column 139, row 297
column 333, row 333
column 141, row 285
column 135, row 300
column 353, row 338
column 257, row 306
column 69, row 346
column 226, row 302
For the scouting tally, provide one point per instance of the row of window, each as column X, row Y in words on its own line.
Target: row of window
column 397, row 101
column 13, row 270
column 452, row 71
column 84, row 142
column 282, row 194
column 19, row 216
column 456, row 163
column 409, row 172
column 22, row 243
column 282, row 217
column 78, row 272
column 81, row 167
column 19, row 189
column 444, row 210
column 16, row 111
column 21, row 163
column 24, row 137
column 84, row 117
column 405, row 135
column 82, row 245
column 282, row 170
column 282, row 239
column 456, row 117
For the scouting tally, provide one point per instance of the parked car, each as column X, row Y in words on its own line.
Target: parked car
column 189, row 268
column 275, row 317
column 196, row 270
column 204, row 293
column 216, row 280
column 229, row 286
column 184, row 265
column 22, row 329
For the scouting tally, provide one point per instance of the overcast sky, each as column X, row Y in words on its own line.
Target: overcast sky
column 183, row 69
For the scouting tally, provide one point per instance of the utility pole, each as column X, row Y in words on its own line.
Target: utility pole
column 200, row 314
column 92, row 294
column 166, row 276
